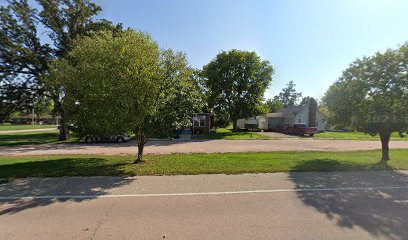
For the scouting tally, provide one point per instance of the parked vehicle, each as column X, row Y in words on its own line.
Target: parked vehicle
column 120, row 138
column 300, row 129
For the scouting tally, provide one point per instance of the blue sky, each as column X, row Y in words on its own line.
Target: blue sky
column 307, row 41
column 310, row 42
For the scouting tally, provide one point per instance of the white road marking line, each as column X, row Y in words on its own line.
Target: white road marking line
column 196, row 193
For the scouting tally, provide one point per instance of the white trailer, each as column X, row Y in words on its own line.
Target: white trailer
column 247, row 123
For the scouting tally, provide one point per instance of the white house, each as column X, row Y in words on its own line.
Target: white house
column 248, row 123
column 307, row 114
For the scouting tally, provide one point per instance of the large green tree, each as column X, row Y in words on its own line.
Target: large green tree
column 125, row 84
column 26, row 56
column 273, row 104
column 306, row 100
column 289, row 96
column 176, row 98
column 236, row 81
column 23, row 57
column 372, row 96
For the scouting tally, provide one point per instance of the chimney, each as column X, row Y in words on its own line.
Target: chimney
column 312, row 113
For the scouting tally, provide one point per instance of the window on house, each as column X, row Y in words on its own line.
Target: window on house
column 202, row 121
column 299, row 120
column 199, row 121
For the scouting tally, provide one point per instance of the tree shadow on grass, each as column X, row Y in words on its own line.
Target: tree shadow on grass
column 372, row 206
column 63, row 188
column 61, row 167
column 27, row 139
column 330, row 165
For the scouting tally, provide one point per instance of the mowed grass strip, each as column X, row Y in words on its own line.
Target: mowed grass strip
column 356, row 136
column 176, row 164
column 10, row 127
column 31, row 138
column 228, row 134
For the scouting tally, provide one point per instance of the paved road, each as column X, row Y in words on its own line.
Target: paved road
column 203, row 146
column 358, row 205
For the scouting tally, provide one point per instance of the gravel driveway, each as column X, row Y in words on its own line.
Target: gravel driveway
column 202, row 146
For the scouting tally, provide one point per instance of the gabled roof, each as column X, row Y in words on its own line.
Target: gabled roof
column 274, row 115
column 292, row 111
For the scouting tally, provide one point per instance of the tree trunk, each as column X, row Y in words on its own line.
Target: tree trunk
column 63, row 130
column 63, row 127
column 234, row 125
column 141, row 141
column 140, row 147
column 385, row 140
column 37, row 118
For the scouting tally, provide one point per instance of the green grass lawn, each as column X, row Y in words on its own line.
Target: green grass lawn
column 228, row 134
column 228, row 163
column 8, row 127
column 30, row 138
column 355, row 136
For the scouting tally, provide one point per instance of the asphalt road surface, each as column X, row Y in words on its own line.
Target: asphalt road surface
column 348, row 205
column 203, row 146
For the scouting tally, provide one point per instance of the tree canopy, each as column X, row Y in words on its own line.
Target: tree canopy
column 372, row 96
column 306, row 100
column 273, row 104
column 126, row 84
column 236, row 81
column 26, row 57
column 23, row 57
column 289, row 96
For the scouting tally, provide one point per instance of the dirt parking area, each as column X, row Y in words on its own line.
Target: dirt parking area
column 202, row 146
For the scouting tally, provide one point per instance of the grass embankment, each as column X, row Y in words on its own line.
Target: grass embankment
column 9, row 127
column 31, row 138
column 356, row 136
column 228, row 163
column 228, row 134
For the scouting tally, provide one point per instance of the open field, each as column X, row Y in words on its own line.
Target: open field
column 174, row 164
column 228, row 134
column 356, row 136
column 10, row 127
